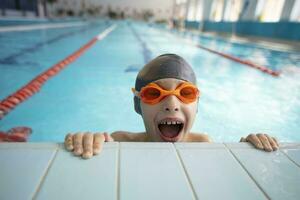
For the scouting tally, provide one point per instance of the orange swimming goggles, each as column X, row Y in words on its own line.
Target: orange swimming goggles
column 153, row 93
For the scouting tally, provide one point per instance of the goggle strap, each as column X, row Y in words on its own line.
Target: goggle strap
column 136, row 93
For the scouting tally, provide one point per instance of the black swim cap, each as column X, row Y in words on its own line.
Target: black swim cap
column 163, row 66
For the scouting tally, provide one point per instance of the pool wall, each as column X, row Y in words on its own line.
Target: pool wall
column 280, row 30
column 19, row 21
column 130, row 170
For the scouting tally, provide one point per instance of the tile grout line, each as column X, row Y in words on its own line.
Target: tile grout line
column 256, row 183
column 45, row 174
column 290, row 158
column 185, row 172
column 118, row 169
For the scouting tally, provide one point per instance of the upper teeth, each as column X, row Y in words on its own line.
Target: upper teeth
column 170, row 122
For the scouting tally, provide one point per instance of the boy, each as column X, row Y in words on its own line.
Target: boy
column 166, row 96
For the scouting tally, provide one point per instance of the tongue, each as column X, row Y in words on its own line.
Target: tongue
column 169, row 131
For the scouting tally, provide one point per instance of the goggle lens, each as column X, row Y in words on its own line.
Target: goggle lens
column 188, row 93
column 150, row 94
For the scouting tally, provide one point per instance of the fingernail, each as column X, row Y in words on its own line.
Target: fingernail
column 269, row 150
column 87, row 155
column 78, row 152
column 69, row 148
column 96, row 152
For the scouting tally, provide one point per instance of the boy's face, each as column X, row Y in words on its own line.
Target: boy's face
column 169, row 120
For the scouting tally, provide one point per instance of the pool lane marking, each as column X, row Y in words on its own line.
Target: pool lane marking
column 40, row 26
column 34, row 86
column 147, row 54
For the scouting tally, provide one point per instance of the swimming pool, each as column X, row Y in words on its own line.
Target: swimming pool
column 93, row 93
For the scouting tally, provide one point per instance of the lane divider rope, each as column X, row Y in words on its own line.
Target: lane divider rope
column 34, row 86
column 245, row 62
column 236, row 59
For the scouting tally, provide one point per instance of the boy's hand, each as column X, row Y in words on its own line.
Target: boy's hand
column 86, row 144
column 262, row 141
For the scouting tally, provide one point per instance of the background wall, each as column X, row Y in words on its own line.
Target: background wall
column 281, row 30
column 265, row 18
column 19, row 7
column 161, row 9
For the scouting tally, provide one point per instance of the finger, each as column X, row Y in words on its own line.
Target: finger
column 272, row 142
column 109, row 138
column 264, row 140
column 253, row 139
column 276, row 141
column 87, row 146
column 98, row 143
column 69, row 142
column 242, row 139
column 77, row 142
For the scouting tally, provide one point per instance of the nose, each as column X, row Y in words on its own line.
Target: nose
column 171, row 104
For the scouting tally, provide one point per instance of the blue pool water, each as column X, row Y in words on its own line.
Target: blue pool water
column 93, row 93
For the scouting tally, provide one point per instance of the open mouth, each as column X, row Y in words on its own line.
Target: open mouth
column 170, row 129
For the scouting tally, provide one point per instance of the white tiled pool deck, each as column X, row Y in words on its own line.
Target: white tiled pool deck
column 150, row 171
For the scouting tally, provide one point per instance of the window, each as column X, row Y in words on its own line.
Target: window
column 269, row 10
column 180, row 9
column 191, row 10
column 199, row 10
column 295, row 15
column 217, row 10
column 180, row 1
column 232, row 10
